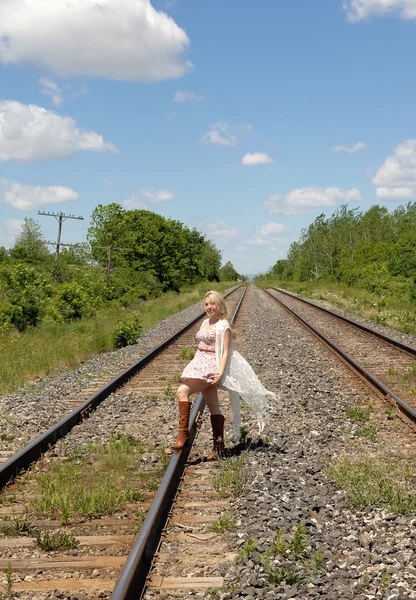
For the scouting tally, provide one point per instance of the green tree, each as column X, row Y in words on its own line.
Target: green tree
column 30, row 245
column 228, row 273
column 163, row 248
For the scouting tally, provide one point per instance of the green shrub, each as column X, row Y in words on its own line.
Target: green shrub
column 127, row 332
column 71, row 301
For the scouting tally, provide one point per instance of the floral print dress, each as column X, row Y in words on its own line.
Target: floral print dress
column 203, row 364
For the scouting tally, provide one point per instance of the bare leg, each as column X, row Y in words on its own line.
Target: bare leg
column 192, row 386
column 211, row 398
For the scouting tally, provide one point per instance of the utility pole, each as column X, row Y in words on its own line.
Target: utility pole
column 109, row 249
column 60, row 217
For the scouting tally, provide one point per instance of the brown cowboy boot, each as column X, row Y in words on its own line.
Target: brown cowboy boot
column 183, row 431
column 217, row 423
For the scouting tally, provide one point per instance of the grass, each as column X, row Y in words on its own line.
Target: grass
column 16, row 527
column 6, row 437
column 187, row 353
column 296, row 546
column 228, row 479
column 227, row 522
column 360, row 414
column 377, row 481
column 97, row 482
column 8, row 588
column 397, row 313
column 56, row 541
column 408, row 376
column 247, row 550
column 368, row 431
column 288, row 560
column 41, row 350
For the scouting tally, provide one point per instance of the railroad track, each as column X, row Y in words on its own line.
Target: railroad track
column 140, row 396
column 387, row 365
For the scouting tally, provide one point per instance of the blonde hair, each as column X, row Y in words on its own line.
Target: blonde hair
column 219, row 303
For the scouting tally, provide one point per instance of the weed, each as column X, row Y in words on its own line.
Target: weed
column 376, row 481
column 187, row 353
column 8, row 588
column 139, row 517
column 168, row 391
column 16, row 527
column 8, row 419
column 247, row 550
column 299, row 540
column 369, row 431
column 296, row 546
column 6, row 437
column 228, row 480
column 243, row 434
column 390, row 411
column 97, row 483
column 359, row 413
column 279, row 573
column 152, row 486
column 227, row 522
column 318, row 562
column 56, row 541
column 384, row 582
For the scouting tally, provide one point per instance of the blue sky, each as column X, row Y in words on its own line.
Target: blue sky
column 245, row 120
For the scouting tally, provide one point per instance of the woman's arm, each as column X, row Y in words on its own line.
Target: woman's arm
column 224, row 357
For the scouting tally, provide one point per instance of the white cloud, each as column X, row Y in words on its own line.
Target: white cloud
column 272, row 229
column 350, row 149
column 117, row 39
column 257, row 158
column 221, row 230
column 146, row 195
column 399, row 170
column 357, row 10
column 304, row 200
column 29, row 133
column 27, row 197
column 185, row 96
column 9, row 230
column 395, row 193
column 51, row 89
column 219, row 134
column 157, row 196
column 133, row 202
column 268, row 235
column 107, row 181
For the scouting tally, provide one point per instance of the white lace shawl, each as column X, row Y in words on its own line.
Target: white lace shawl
column 241, row 382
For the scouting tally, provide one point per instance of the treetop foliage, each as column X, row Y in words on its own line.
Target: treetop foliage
column 149, row 255
column 374, row 250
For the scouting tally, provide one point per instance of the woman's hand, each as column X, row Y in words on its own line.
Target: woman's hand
column 216, row 379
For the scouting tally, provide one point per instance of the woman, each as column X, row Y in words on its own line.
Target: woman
column 217, row 364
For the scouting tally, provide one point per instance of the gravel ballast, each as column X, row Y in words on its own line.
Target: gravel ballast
column 367, row 552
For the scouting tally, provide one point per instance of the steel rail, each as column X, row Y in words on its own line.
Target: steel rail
column 409, row 349
column 132, row 581
column 408, row 411
column 32, row 451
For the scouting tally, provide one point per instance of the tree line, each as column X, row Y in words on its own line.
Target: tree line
column 149, row 255
column 373, row 250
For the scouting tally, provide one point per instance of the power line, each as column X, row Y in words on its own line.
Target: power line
column 60, row 217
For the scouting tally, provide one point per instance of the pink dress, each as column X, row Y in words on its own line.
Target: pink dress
column 203, row 363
